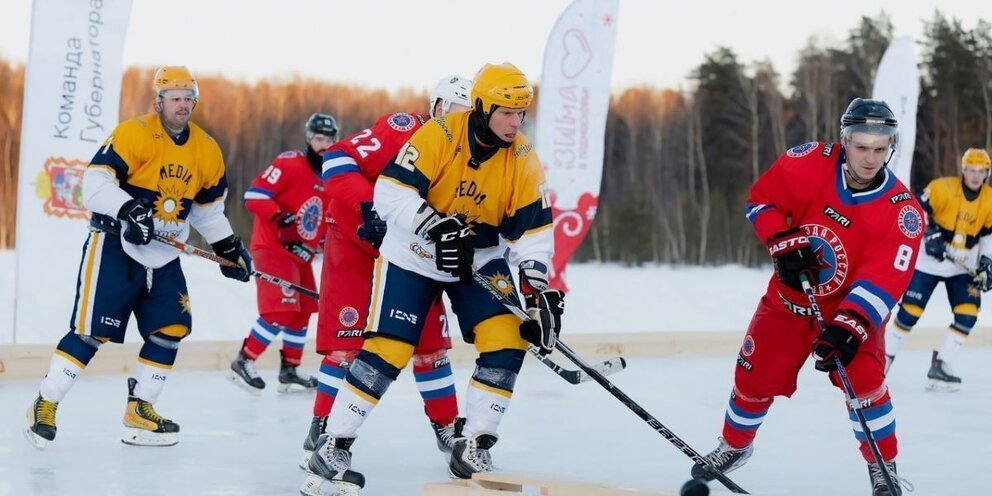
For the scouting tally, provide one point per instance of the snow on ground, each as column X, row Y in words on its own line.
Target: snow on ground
column 235, row 444
column 603, row 298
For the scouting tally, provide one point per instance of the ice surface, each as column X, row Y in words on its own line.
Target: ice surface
column 235, row 444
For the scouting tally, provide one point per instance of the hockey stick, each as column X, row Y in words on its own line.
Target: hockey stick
column 199, row 252
column 851, row 396
column 606, row 367
column 514, row 307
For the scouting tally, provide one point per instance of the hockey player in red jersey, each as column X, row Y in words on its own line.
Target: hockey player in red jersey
column 354, row 233
column 288, row 201
column 834, row 213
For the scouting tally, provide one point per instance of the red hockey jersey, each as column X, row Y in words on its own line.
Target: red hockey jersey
column 289, row 185
column 352, row 165
column 867, row 241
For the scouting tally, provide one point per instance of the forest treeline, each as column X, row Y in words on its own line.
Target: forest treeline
column 678, row 161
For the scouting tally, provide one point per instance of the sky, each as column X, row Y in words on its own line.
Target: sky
column 419, row 41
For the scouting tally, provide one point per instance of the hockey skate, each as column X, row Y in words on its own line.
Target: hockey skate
column 941, row 377
column 291, row 382
column 310, row 443
column 41, row 422
column 724, row 458
column 143, row 426
column 878, row 487
column 446, row 435
column 331, row 462
column 470, row 455
column 245, row 375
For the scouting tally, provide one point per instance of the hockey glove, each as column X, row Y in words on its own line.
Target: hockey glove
column 234, row 250
column 137, row 225
column 301, row 251
column 286, row 231
column 373, row 228
column 841, row 338
column 545, row 309
column 933, row 242
column 544, row 306
column 453, row 248
column 983, row 277
column 793, row 256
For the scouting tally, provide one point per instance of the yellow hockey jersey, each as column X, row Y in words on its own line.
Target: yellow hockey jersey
column 503, row 197
column 181, row 176
column 964, row 225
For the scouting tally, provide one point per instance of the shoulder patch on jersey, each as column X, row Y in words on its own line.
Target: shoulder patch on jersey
column 803, row 149
column 289, row 154
column 522, row 150
column 401, row 122
column 828, row 149
column 910, row 222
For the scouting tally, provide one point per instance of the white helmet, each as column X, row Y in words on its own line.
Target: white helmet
column 451, row 89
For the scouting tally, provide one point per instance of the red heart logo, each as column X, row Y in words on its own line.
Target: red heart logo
column 577, row 53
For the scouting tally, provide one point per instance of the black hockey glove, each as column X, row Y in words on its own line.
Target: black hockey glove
column 933, row 242
column 373, row 228
column 544, row 306
column 841, row 338
column 545, row 309
column 454, row 251
column 137, row 225
column 793, row 256
column 234, row 250
column 983, row 277
column 301, row 251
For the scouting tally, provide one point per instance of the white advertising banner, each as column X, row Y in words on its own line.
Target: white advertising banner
column 71, row 103
column 571, row 119
column 898, row 83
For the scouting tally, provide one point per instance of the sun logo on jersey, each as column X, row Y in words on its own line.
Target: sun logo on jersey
column 184, row 303
column 832, row 256
column 169, row 204
column 502, row 282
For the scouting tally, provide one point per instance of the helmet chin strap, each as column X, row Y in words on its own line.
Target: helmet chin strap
column 480, row 124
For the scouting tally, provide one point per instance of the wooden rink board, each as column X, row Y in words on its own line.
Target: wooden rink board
column 509, row 483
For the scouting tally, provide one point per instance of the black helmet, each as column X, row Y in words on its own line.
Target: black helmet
column 869, row 116
column 321, row 124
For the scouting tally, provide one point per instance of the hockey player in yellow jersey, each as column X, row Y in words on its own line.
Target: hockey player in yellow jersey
column 958, row 245
column 464, row 189
column 156, row 174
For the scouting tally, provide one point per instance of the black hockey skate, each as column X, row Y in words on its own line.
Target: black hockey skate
column 41, row 422
column 143, row 426
column 724, row 458
column 310, row 443
column 245, row 375
column 471, row 454
column 878, row 486
column 292, row 382
column 446, row 435
column 331, row 462
column 941, row 377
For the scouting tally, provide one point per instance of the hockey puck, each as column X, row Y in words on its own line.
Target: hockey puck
column 695, row 487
